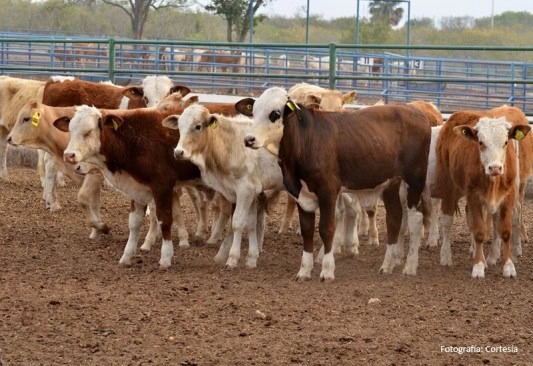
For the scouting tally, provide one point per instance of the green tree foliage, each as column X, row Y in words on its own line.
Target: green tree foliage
column 389, row 12
column 237, row 15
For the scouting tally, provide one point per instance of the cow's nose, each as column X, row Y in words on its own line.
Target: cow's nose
column 178, row 153
column 10, row 140
column 249, row 141
column 69, row 158
column 495, row 169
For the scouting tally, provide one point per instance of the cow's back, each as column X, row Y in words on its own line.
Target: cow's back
column 430, row 110
column 78, row 92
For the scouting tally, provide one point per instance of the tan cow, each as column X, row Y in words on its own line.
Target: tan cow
column 313, row 96
column 34, row 128
column 475, row 160
column 14, row 94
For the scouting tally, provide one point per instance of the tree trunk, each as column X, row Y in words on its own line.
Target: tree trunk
column 229, row 31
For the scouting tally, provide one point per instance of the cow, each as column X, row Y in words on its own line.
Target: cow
column 239, row 174
column 61, row 91
column 34, row 128
column 328, row 152
column 135, row 154
column 14, row 94
column 225, row 60
column 475, row 160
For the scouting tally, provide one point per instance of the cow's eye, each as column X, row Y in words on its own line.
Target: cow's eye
column 26, row 119
column 481, row 144
column 198, row 127
column 505, row 144
column 274, row 116
column 87, row 134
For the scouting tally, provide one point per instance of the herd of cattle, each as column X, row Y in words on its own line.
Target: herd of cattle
column 152, row 140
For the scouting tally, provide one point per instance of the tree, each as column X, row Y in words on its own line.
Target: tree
column 391, row 12
column 237, row 15
column 138, row 11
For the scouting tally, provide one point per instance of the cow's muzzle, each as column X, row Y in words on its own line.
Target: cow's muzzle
column 249, row 141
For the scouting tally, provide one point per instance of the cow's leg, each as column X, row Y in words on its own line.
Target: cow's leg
column 261, row 216
column 40, row 167
column 253, row 242
column 505, row 227
column 89, row 201
column 223, row 252
column 3, row 152
column 448, row 205
column 518, row 227
column 433, row 237
column 50, row 183
column 164, row 212
column 415, row 223
column 373, row 235
column 339, row 230
column 60, row 179
column 154, row 229
column 393, row 209
column 351, row 239
column 523, row 229
column 289, row 213
column 326, row 228
column 220, row 220
column 240, row 217
column 404, row 226
column 177, row 217
column 478, row 227
column 135, row 221
column 200, row 207
column 364, row 223
column 307, row 225
column 495, row 248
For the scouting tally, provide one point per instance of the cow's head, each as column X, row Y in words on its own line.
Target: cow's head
column 330, row 100
column 153, row 90
column 175, row 101
column 28, row 129
column 85, row 127
column 192, row 125
column 268, row 112
column 492, row 136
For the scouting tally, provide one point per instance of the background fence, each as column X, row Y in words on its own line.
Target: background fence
column 247, row 69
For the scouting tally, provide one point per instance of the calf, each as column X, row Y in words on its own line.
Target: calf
column 474, row 159
column 329, row 152
column 34, row 128
column 313, row 96
column 239, row 174
column 135, row 154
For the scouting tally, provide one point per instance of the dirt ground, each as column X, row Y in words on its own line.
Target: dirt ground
column 64, row 299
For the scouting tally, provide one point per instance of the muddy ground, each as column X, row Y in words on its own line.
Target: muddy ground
column 64, row 300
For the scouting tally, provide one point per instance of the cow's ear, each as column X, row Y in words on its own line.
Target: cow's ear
column 62, row 123
column 192, row 100
column 349, row 97
column 245, row 106
column 112, row 121
column 133, row 92
column 33, row 103
column 212, row 121
column 311, row 99
column 183, row 90
column 518, row 132
column 171, row 122
column 466, row 132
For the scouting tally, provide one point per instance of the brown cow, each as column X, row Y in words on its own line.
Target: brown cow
column 430, row 110
column 323, row 153
column 474, row 159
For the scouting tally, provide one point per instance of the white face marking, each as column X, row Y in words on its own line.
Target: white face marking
column 265, row 131
column 84, row 134
column 191, row 125
column 155, row 89
column 493, row 135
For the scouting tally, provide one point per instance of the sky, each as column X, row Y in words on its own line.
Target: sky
column 434, row 9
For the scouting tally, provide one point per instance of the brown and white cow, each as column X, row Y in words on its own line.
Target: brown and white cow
column 330, row 152
column 135, row 154
column 34, row 128
column 475, row 160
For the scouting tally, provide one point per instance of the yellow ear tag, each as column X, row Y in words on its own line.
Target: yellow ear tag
column 293, row 106
column 213, row 125
column 35, row 118
column 351, row 100
column 519, row 135
column 115, row 125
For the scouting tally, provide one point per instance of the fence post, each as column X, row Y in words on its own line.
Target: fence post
column 332, row 65
column 111, row 60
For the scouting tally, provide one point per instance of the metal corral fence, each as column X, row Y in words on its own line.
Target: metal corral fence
column 222, row 68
